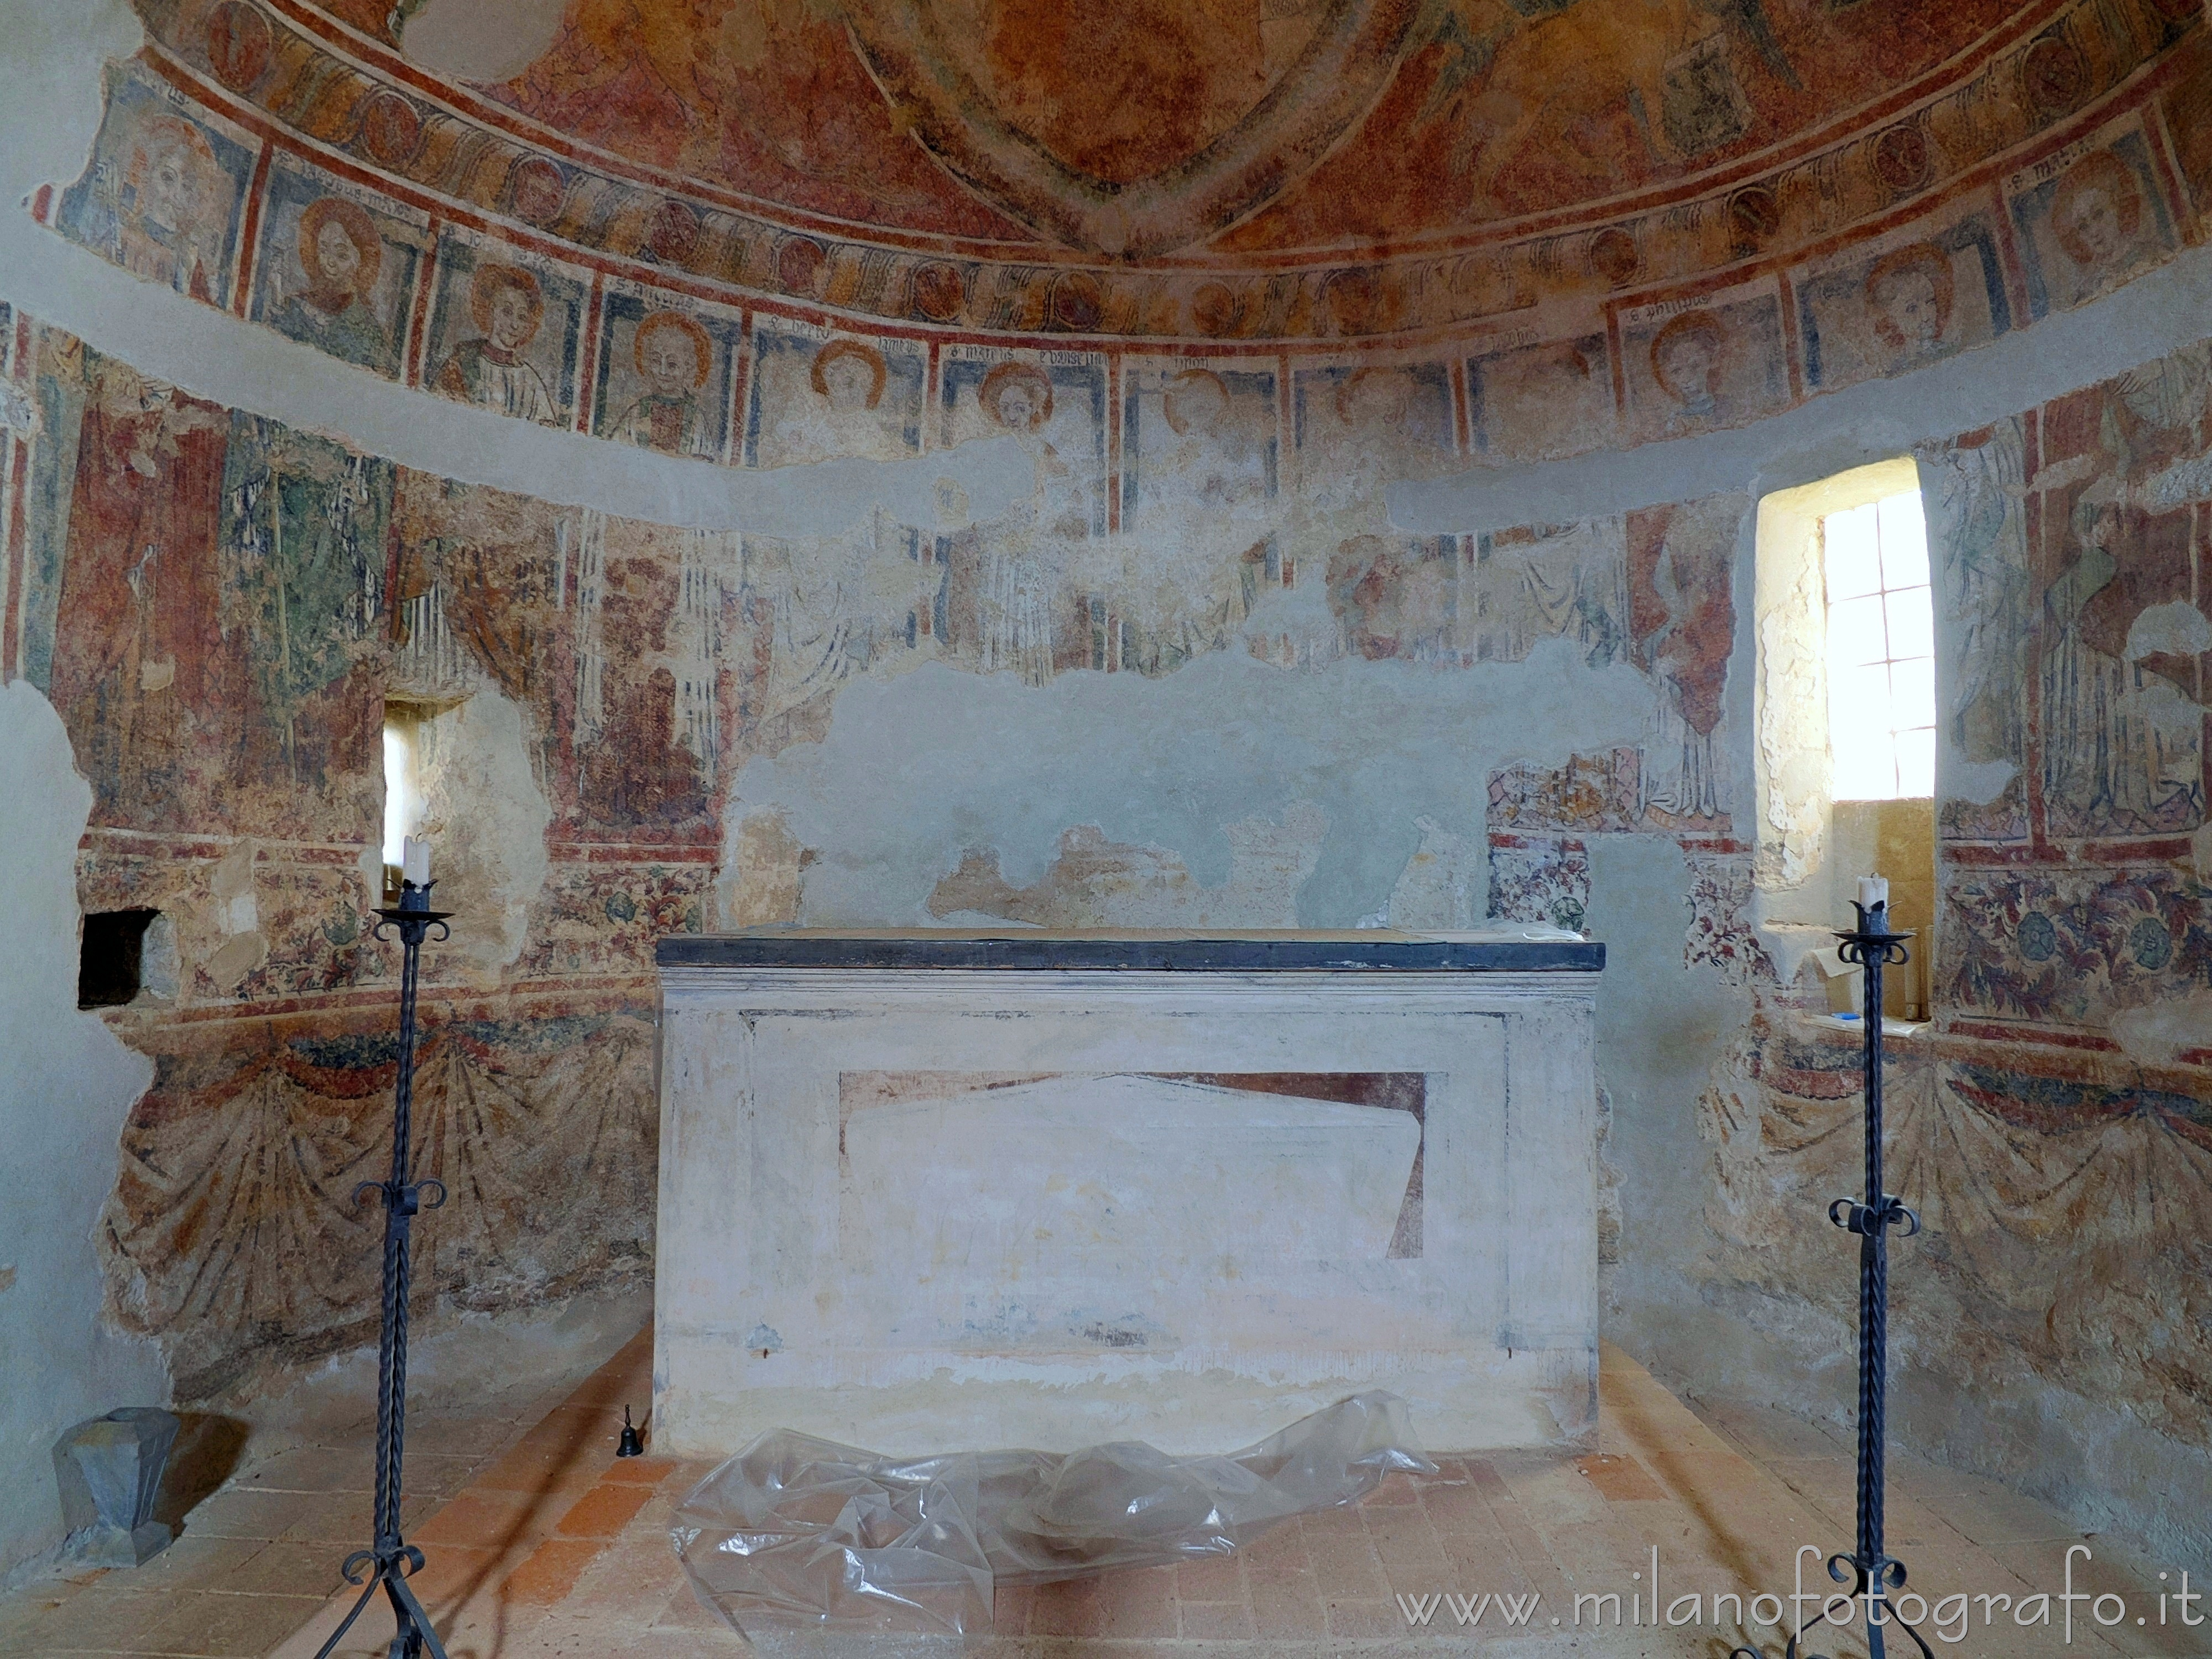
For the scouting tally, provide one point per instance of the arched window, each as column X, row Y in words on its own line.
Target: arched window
column 1845, row 762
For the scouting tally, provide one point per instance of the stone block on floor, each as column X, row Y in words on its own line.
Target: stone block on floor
column 109, row 1473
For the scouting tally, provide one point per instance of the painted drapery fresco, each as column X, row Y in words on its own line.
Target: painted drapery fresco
column 1729, row 223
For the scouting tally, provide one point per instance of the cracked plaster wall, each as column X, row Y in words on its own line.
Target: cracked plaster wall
column 65, row 1083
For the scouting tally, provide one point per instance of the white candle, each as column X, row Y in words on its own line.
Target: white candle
column 415, row 862
column 1873, row 891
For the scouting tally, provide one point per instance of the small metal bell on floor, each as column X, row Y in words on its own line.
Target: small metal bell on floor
column 630, row 1446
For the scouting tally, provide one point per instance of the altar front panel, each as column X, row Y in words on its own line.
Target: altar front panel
column 921, row 1210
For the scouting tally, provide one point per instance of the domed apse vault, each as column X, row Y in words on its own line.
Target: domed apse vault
column 1214, row 175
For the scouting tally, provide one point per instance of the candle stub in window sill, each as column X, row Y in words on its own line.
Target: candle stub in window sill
column 1873, row 891
column 415, row 862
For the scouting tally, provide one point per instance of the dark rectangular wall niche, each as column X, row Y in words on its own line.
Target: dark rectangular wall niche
column 112, row 956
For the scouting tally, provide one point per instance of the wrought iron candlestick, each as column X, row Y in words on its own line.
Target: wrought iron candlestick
column 1871, row 1572
column 390, row 1561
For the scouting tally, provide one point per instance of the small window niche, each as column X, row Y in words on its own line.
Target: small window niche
column 419, row 738
column 403, row 792
column 1846, row 701
column 114, row 957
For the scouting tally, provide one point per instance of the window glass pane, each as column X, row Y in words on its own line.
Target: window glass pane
column 1912, row 623
column 1903, row 541
column 1913, row 692
column 1860, row 698
column 1865, row 770
column 1854, row 562
column 398, row 814
column 1915, row 762
column 1882, row 644
column 1855, row 634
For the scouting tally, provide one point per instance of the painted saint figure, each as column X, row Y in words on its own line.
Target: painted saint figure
column 1687, row 359
column 1685, row 644
column 1373, row 439
column 490, row 370
column 2096, row 215
column 850, row 374
column 846, row 418
column 1909, row 294
column 673, row 355
column 341, row 252
column 1017, row 398
column 836, row 601
column 1544, row 400
column 1218, row 467
column 2122, row 748
column 171, row 205
column 1023, row 557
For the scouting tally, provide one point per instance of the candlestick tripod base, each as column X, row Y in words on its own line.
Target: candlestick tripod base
column 1872, row 1584
column 389, row 1571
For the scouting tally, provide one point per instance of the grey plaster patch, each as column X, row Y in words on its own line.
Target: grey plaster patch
column 65, row 1087
column 1661, row 1024
column 481, row 40
column 940, row 760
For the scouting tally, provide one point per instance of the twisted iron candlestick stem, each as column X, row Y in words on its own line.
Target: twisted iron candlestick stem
column 1870, row 1570
column 1874, row 1273
column 390, row 1560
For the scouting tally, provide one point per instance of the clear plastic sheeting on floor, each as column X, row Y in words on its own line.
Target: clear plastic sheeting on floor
column 796, row 1537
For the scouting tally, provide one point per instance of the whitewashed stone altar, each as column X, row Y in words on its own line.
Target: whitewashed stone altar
column 931, row 1190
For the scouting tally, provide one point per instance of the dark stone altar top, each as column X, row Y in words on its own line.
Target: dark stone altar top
column 1508, row 949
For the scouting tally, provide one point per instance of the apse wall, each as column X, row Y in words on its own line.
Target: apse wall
column 1084, row 620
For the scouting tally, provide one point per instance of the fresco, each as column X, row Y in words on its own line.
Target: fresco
column 2076, row 947
column 1908, row 300
column 1221, row 275
column 1682, row 617
column 667, row 376
column 822, row 609
column 1692, row 366
column 2074, row 956
column 505, row 335
column 233, row 1212
column 1551, row 581
column 1348, row 178
column 1007, row 603
column 337, row 273
column 2090, row 216
column 1974, row 491
column 1538, row 880
column 816, row 396
column 1200, row 477
column 2118, row 638
column 164, row 195
column 224, row 692
column 1533, row 402
column 232, row 602
column 720, row 97
column 1359, row 427
column 2187, row 112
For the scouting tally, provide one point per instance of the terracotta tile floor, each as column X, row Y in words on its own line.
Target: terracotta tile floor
column 553, row 1547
